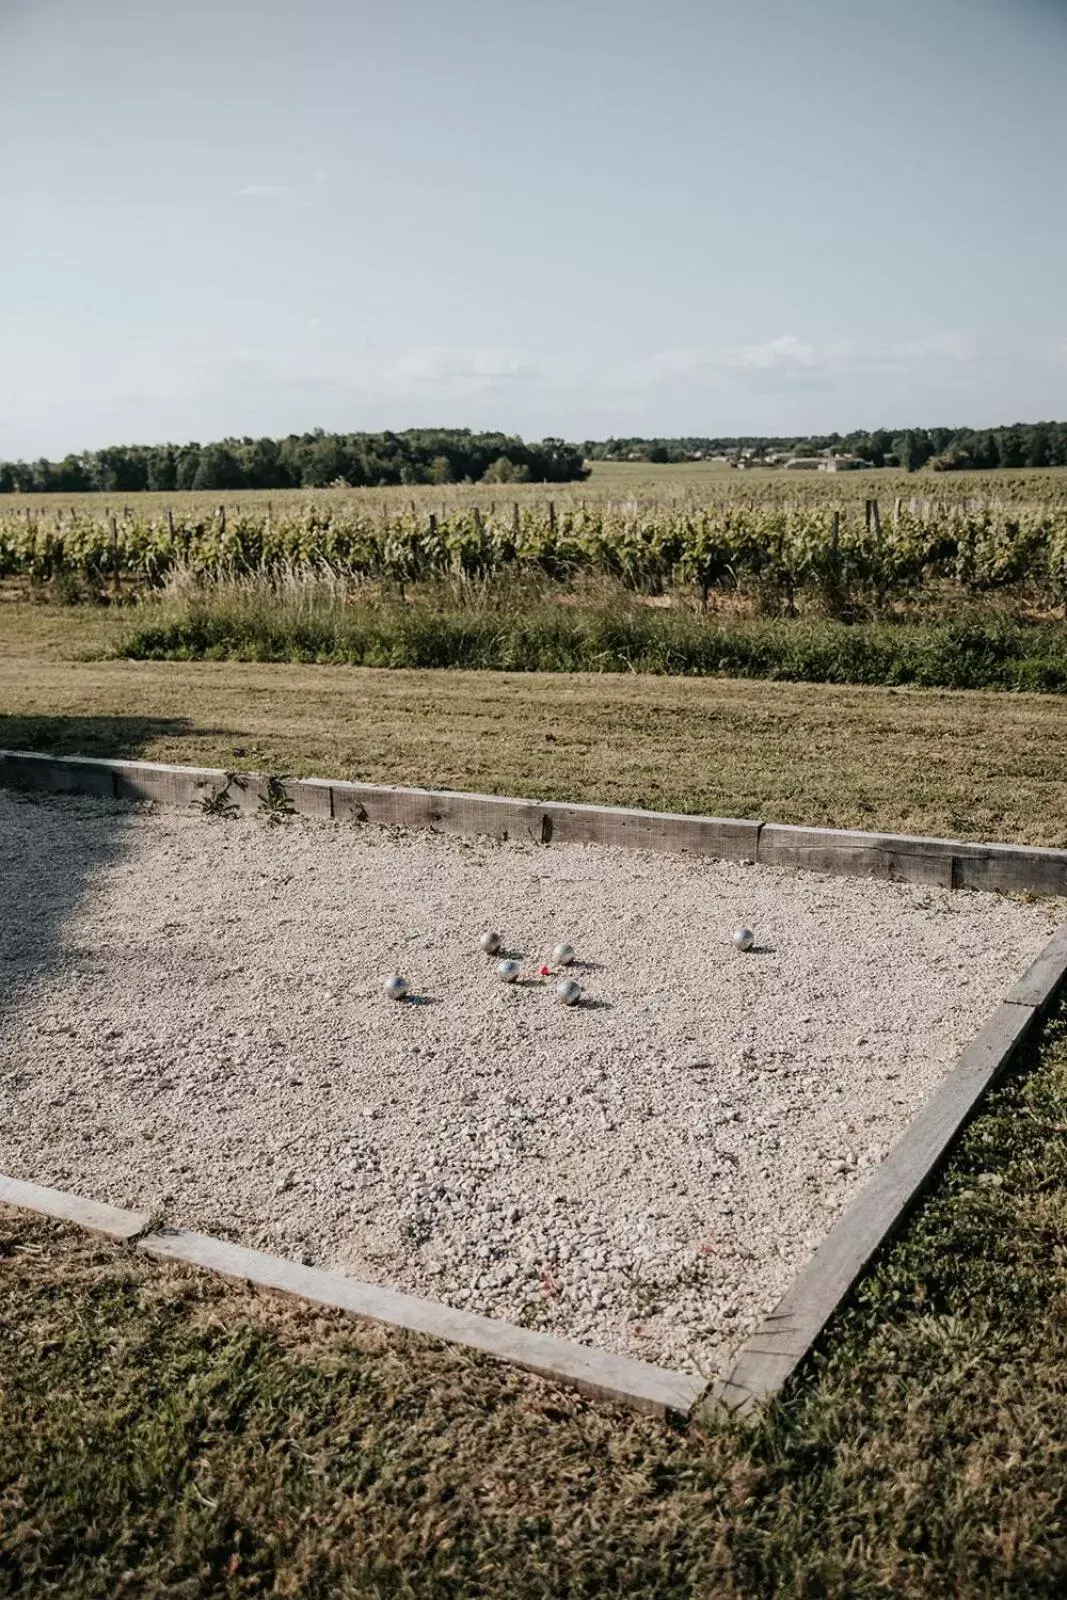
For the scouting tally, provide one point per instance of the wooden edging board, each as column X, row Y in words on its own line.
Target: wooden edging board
column 596, row 1372
column 771, row 1355
column 948, row 863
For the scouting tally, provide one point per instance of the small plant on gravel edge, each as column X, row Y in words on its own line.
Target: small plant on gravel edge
column 218, row 802
column 276, row 807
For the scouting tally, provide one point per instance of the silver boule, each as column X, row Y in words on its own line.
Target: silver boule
column 396, row 987
column 507, row 971
column 568, row 991
column 490, row 942
column 744, row 938
column 563, row 955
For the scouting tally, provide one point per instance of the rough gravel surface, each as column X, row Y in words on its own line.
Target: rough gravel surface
column 192, row 1019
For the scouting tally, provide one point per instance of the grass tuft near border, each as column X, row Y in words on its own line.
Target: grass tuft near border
column 254, row 622
column 163, row 1433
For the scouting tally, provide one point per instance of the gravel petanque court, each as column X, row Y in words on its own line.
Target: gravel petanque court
column 192, row 1019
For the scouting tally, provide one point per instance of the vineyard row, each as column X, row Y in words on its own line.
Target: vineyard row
column 842, row 552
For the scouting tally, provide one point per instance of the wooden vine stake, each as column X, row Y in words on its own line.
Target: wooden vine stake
column 116, row 580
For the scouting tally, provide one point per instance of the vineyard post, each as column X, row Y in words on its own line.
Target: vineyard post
column 835, row 594
column 876, row 519
column 515, row 523
column 705, row 571
column 552, row 518
column 116, row 582
column 222, row 522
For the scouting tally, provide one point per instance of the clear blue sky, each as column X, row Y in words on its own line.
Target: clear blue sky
column 580, row 217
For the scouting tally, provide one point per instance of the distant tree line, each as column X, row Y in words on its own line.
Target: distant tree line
column 1022, row 444
column 303, row 461
column 455, row 455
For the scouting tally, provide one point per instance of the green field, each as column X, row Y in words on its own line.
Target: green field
column 848, row 540
column 691, row 482
column 954, row 581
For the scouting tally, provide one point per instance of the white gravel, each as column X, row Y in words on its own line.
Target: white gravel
column 192, row 1019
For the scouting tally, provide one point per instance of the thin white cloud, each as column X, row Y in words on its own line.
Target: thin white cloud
column 789, row 356
column 447, row 364
column 785, row 353
column 314, row 187
column 214, row 377
column 263, row 191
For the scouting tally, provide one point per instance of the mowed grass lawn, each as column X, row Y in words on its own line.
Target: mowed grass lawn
column 975, row 765
column 168, row 1434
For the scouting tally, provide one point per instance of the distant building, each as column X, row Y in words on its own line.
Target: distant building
column 803, row 464
column 844, row 464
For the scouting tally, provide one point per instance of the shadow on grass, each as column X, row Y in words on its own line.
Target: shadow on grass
column 109, row 738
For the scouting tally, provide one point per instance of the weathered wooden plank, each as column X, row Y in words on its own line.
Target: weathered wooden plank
column 544, row 821
column 772, row 1354
column 312, row 797
column 445, row 810
column 116, row 1222
column 25, row 769
column 897, row 857
column 651, row 830
column 165, row 784
column 635, row 1383
column 948, row 863
column 1042, row 980
column 1010, row 868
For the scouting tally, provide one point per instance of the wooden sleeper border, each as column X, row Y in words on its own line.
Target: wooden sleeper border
column 596, row 1372
column 772, row 1354
column 946, row 863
